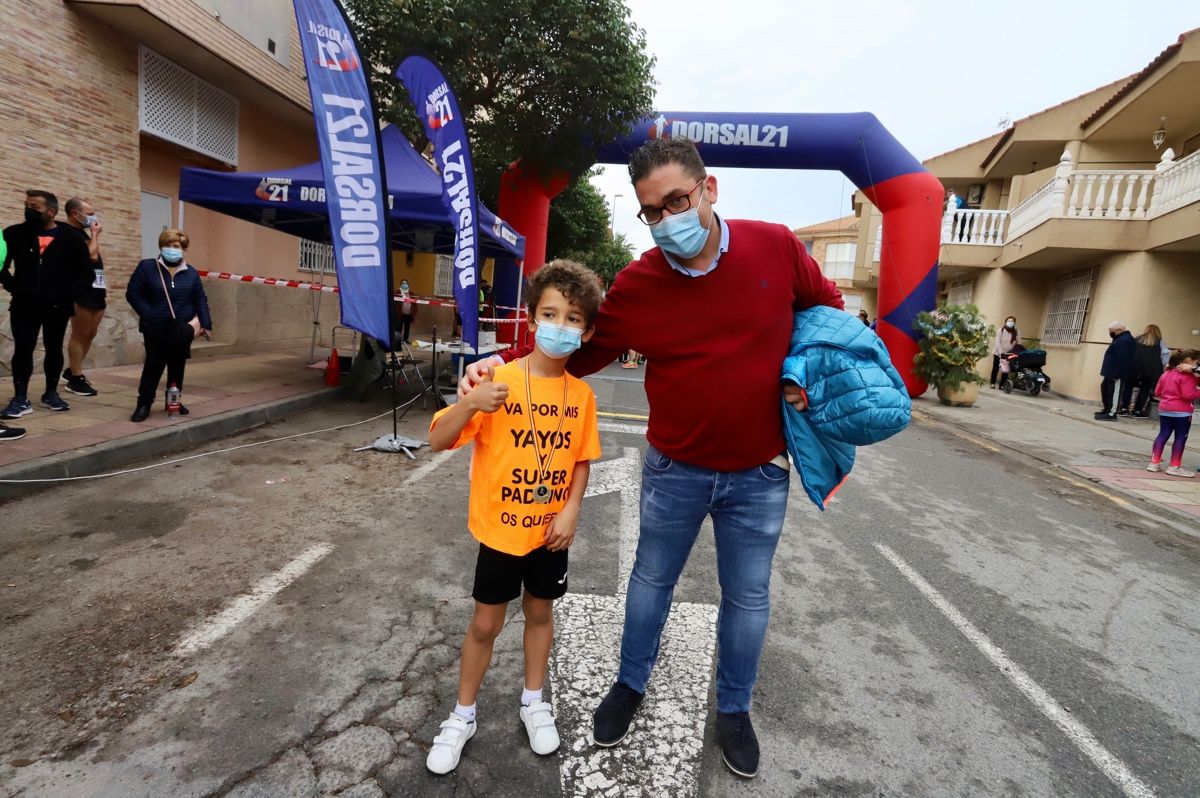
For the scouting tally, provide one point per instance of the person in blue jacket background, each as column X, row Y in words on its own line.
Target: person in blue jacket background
column 172, row 309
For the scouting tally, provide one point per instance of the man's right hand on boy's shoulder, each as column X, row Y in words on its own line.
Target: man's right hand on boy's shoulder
column 488, row 395
column 474, row 372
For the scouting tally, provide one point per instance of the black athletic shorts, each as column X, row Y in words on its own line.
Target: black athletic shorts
column 93, row 299
column 499, row 576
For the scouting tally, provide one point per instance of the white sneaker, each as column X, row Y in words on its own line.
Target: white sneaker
column 447, row 746
column 538, row 718
column 1156, row 467
column 1177, row 471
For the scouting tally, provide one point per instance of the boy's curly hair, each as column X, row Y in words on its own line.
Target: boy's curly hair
column 579, row 284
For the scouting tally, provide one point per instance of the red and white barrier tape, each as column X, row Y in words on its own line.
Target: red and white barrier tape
column 327, row 289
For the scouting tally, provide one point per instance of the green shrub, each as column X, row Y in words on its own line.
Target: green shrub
column 954, row 338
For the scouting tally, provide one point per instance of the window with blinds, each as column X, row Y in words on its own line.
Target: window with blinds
column 961, row 293
column 839, row 261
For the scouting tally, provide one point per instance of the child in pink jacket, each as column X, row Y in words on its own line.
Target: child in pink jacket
column 1177, row 391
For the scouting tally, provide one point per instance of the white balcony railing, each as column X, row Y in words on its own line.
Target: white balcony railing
column 1176, row 183
column 1081, row 194
column 1109, row 194
column 973, row 226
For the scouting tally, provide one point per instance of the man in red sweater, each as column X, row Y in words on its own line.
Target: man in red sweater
column 711, row 308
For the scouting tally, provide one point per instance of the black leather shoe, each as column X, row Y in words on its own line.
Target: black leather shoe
column 613, row 716
column 140, row 413
column 739, row 745
column 183, row 411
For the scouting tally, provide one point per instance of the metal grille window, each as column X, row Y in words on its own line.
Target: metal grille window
column 175, row 105
column 961, row 293
column 443, row 280
column 1068, row 306
column 839, row 261
column 316, row 257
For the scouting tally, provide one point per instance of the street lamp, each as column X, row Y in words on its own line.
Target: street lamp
column 612, row 227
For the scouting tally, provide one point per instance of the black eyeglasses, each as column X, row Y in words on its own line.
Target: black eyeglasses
column 679, row 204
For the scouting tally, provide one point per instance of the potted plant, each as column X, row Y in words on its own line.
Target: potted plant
column 953, row 339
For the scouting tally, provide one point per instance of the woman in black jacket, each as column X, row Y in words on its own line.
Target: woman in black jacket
column 172, row 309
column 1149, row 359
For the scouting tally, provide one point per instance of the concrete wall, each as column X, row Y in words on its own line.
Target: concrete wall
column 256, row 22
column 1137, row 288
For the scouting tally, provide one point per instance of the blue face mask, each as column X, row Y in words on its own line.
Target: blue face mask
column 172, row 254
column 557, row 340
column 681, row 234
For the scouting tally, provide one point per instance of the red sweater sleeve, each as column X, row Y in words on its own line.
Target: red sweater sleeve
column 810, row 286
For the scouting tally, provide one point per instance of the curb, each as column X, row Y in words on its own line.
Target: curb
column 1126, row 497
column 89, row 460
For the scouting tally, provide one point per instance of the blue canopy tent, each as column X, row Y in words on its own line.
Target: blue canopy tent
column 293, row 201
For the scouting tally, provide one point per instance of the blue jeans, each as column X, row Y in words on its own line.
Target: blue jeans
column 747, row 508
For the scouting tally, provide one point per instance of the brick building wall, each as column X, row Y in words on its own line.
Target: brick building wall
column 68, row 119
column 69, row 124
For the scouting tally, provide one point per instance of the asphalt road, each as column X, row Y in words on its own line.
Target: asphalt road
column 283, row 620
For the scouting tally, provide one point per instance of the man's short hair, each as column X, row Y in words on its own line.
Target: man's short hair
column 1116, row 325
column 49, row 199
column 74, row 204
column 660, row 152
column 579, row 284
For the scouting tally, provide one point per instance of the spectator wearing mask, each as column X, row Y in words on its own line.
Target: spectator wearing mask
column 172, row 309
column 1117, row 372
column 406, row 315
column 90, row 296
column 1007, row 339
column 45, row 259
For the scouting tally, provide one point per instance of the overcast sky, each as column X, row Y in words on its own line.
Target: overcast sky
column 937, row 74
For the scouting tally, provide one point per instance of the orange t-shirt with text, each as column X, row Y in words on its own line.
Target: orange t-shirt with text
column 504, row 467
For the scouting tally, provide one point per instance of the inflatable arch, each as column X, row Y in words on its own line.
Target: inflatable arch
column 908, row 196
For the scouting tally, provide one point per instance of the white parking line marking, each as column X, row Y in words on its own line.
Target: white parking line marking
column 621, row 476
column 1076, row 732
column 613, row 426
column 662, row 754
column 425, row 469
column 665, row 747
column 244, row 606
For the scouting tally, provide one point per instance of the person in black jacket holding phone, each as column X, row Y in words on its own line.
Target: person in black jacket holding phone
column 172, row 309
column 45, row 260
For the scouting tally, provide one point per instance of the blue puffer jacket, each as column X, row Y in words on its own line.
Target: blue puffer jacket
column 855, row 397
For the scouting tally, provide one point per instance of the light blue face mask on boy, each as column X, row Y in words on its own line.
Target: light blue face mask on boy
column 681, row 234
column 557, row 340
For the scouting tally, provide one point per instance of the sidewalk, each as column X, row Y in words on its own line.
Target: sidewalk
column 1062, row 433
column 225, row 394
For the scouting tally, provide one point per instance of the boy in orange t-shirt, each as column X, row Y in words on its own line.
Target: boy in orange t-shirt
column 534, row 430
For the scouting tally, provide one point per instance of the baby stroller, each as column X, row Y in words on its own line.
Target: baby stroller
column 1022, row 369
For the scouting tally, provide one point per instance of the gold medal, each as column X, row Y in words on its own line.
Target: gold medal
column 541, row 492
